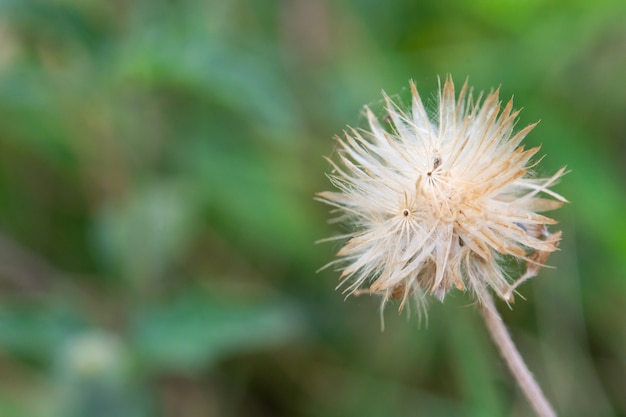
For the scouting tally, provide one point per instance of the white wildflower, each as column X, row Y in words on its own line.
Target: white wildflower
column 440, row 203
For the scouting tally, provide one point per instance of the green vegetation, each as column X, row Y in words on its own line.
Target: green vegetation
column 158, row 161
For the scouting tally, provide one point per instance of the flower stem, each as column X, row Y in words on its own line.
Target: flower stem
column 514, row 360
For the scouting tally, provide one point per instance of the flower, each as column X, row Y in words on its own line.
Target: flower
column 440, row 203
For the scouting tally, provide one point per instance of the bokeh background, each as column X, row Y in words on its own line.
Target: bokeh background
column 158, row 161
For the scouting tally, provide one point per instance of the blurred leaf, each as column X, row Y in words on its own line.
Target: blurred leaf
column 44, row 17
column 254, row 198
column 36, row 333
column 193, row 330
column 30, row 114
column 242, row 78
column 140, row 236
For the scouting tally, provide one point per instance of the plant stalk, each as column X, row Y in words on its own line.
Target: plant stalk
column 511, row 355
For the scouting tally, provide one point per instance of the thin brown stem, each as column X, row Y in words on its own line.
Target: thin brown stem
column 511, row 355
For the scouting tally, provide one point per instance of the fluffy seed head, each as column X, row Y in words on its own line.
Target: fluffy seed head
column 439, row 203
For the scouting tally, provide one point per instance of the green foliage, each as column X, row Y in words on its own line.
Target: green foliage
column 194, row 331
column 158, row 161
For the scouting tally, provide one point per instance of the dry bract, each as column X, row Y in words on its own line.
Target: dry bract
column 436, row 203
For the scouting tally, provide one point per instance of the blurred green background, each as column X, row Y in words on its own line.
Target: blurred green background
column 158, row 161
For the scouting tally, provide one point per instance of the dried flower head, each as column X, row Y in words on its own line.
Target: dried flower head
column 439, row 203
